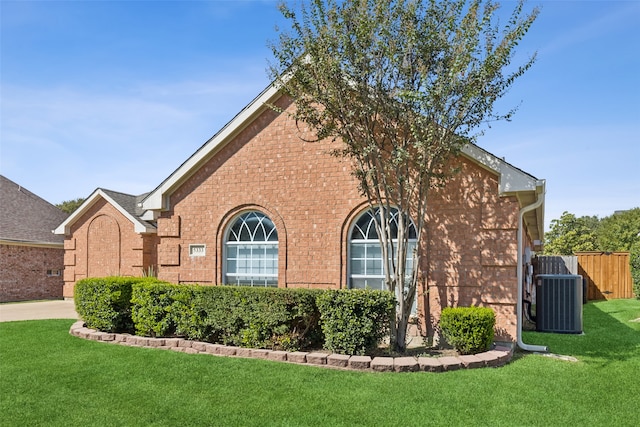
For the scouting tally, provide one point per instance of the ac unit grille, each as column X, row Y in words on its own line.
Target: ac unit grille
column 559, row 303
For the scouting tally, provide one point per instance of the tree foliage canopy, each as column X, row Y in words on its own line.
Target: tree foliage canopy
column 69, row 206
column 571, row 234
column 403, row 85
column 619, row 232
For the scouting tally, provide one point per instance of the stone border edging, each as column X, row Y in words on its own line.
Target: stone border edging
column 499, row 356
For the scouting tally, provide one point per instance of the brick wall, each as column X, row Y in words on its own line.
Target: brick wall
column 307, row 193
column 472, row 249
column 103, row 243
column 312, row 199
column 24, row 276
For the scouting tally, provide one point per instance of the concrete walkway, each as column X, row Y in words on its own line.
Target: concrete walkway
column 57, row 309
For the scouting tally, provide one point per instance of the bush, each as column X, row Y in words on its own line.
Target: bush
column 468, row 329
column 104, row 303
column 634, row 260
column 272, row 318
column 161, row 309
column 247, row 317
column 355, row 321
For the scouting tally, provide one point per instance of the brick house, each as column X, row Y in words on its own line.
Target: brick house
column 257, row 205
column 31, row 256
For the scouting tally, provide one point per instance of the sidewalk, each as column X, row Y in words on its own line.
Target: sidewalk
column 57, row 309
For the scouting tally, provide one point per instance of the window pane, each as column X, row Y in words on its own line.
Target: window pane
column 357, row 250
column 244, row 251
column 374, row 251
column 259, row 233
column 271, row 267
column 374, row 267
column 245, row 233
column 243, row 266
column 232, row 251
column 358, row 283
column 376, row 284
column 271, row 251
column 357, row 266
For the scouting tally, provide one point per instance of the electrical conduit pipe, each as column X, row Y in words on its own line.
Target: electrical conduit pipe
column 524, row 210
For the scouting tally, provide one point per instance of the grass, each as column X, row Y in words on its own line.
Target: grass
column 48, row 377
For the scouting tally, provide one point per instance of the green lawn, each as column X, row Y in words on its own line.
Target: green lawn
column 51, row 378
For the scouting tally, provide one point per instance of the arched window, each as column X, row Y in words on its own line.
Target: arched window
column 251, row 251
column 366, row 267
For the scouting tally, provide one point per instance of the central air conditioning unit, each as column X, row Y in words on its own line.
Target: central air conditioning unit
column 559, row 303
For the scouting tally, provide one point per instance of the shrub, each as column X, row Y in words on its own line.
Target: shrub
column 273, row 318
column 634, row 260
column 160, row 309
column 355, row 321
column 468, row 329
column 104, row 303
column 241, row 316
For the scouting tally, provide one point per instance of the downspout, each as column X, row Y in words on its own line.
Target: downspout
column 535, row 205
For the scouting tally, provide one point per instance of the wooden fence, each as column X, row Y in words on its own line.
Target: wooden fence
column 608, row 274
column 557, row 264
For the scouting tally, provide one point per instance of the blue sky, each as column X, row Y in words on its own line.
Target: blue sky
column 117, row 94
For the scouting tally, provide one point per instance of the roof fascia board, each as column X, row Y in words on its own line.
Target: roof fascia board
column 512, row 182
column 511, row 179
column 158, row 199
column 65, row 227
column 10, row 242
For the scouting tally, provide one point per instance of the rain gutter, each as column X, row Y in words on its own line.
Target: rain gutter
column 524, row 210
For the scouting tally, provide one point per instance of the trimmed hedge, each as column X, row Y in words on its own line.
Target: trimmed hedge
column 246, row 317
column 160, row 309
column 468, row 329
column 104, row 303
column 355, row 321
column 273, row 318
column 345, row 321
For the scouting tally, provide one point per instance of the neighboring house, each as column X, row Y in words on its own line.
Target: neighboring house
column 31, row 256
column 257, row 205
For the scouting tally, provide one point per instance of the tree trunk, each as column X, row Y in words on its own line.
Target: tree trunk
column 401, row 333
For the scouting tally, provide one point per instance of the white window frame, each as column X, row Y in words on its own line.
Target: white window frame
column 266, row 273
column 377, row 279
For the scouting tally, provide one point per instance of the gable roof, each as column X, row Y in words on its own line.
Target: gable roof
column 26, row 218
column 512, row 181
column 127, row 204
column 157, row 199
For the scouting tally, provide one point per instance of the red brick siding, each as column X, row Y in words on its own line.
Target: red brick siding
column 23, row 275
column 312, row 198
column 268, row 168
column 103, row 242
column 472, row 248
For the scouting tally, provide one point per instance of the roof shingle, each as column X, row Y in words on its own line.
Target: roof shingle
column 26, row 217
